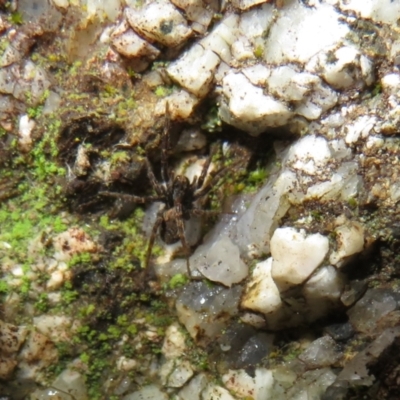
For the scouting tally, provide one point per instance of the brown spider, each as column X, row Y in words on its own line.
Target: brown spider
column 181, row 198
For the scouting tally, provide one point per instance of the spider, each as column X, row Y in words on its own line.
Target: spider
column 181, row 198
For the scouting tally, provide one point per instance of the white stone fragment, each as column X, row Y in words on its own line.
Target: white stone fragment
column 252, row 319
column 321, row 99
column 296, row 255
column 256, row 225
column 391, row 83
column 386, row 11
column 300, row 32
column 360, row 128
column 61, row 3
column 101, row 9
column 246, row 4
column 34, row 80
column 350, row 241
column 322, row 291
column 131, row 45
column 149, row 392
column 10, row 56
column 8, row 77
column 222, row 37
column 343, row 184
column 55, row 281
column 255, row 22
column 37, row 353
column 257, row 74
column 181, row 105
column 192, row 391
column 59, row 328
column 258, row 387
column 247, row 107
column 220, row 262
column 25, row 127
column 289, row 84
column 174, row 342
column 196, row 11
column 342, row 67
column 126, row 364
column 261, row 293
column 394, row 192
column 213, row 392
column 69, row 384
column 175, row 373
column 194, row 70
column 159, row 21
column 309, row 154
column 322, row 352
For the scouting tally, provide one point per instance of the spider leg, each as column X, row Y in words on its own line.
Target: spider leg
column 131, row 197
column 160, row 189
column 152, row 238
column 198, row 212
column 204, row 171
column 214, row 176
column 181, row 231
column 165, row 145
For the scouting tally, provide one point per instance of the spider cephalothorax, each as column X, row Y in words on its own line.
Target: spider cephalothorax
column 181, row 199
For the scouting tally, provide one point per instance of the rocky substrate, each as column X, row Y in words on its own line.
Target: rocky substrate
column 293, row 293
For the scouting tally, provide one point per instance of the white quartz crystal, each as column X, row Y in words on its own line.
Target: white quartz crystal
column 300, row 32
column 310, row 154
column 247, row 107
column 322, row 291
column 360, row 128
column 258, row 386
column 350, row 241
column 296, row 255
column 174, row 342
column 213, row 392
column 220, row 262
column 192, row 391
column 342, row 67
column 194, row 70
column 386, row 11
column 130, row 44
column 159, row 21
column 261, row 293
column 255, row 227
column 149, row 392
column 196, row 11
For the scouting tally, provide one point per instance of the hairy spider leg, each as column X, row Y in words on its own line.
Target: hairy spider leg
column 198, row 212
column 159, row 189
column 131, row 197
column 182, row 237
column 152, row 238
column 214, row 176
column 203, row 174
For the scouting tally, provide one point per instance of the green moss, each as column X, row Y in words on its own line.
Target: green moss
column 177, row 281
column 162, row 91
column 42, row 303
column 4, row 287
column 352, row 202
column 259, row 52
column 16, row 18
column 34, row 112
column 212, row 121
